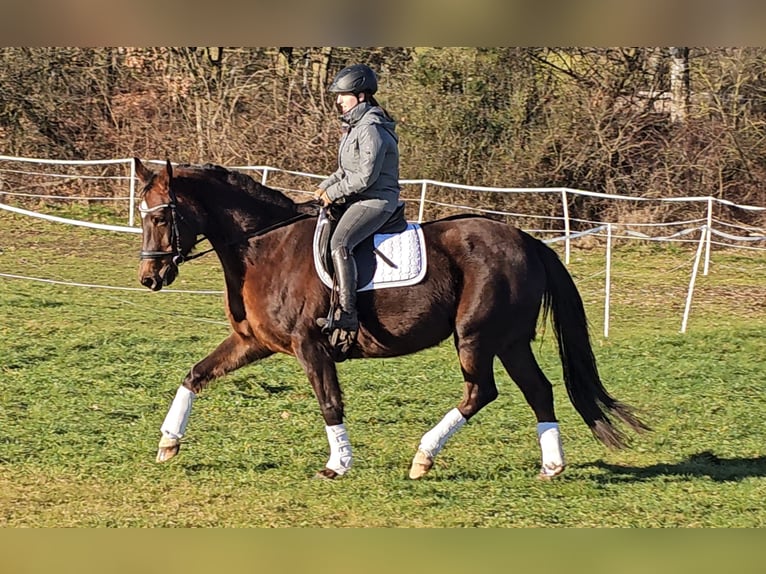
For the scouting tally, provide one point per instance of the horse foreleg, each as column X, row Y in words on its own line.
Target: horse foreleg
column 174, row 425
column 234, row 352
column 323, row 375
column 341, row 457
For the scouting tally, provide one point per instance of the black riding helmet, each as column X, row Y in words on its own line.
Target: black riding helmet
column 355, row 79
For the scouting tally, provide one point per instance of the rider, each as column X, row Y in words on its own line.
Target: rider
column 365, row 185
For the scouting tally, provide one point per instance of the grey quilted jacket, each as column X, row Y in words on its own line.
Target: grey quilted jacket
column 368, row 158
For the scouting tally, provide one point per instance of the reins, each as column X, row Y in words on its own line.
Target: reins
column 250, row 236
column 176, row 254
column 266, row 230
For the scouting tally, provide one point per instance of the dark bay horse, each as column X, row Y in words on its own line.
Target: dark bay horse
column 487, row 284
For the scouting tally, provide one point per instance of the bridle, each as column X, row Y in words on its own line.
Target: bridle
column 176, row 254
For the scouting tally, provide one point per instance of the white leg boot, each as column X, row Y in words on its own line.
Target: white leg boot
column 433, row 441
column 552, row 452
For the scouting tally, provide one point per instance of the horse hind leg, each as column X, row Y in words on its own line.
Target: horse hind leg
column 521, row 365
column 479, row 391
column 433, row 441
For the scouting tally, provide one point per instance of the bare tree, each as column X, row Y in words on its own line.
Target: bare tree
column 679, row 84
column 635, row 121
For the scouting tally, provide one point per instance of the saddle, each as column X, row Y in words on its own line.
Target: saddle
column 395, row 256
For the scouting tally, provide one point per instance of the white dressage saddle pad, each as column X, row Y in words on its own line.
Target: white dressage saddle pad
column 399, row 258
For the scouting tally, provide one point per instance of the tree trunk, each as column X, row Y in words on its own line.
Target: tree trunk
column 679, row 84
column 320, row 64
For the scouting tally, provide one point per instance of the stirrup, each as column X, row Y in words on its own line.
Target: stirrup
column 339, row 319
column 346, row 321
column 342, row 341
column 325, row 324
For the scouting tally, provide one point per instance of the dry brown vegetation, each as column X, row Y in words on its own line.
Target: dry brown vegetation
column 614, row 120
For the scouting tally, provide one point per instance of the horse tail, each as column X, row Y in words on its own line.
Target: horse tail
column 595, row 405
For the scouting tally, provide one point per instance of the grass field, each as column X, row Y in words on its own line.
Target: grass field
column 87, row 375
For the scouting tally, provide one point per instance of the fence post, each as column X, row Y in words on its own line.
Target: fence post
column 132, row 194
column 265, row 175
column 709, row 227
column 566, row 226
column 608, row 282
column 693, row 279
column 422, row 201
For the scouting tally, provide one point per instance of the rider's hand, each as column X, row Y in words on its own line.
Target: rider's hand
column 321, row 195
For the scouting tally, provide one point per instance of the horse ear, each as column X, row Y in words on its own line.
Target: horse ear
column 144, row 174
column 164, row 177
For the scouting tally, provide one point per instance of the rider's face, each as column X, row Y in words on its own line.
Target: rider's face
column 347, row 101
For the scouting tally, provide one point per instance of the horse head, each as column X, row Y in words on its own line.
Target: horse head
column 167, row 235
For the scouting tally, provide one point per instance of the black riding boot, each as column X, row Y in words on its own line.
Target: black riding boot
column 345, row 271
column 345, row 324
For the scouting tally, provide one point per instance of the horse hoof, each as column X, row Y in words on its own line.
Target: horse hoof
column 421, row 464
column 168, row 448
column 549, row 472
column 327, row 474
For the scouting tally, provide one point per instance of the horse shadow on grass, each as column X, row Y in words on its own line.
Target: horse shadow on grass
column 702, row 464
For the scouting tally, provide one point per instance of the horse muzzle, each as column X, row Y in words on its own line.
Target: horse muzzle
column 155, row 279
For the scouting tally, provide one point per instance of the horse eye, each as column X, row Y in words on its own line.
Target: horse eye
column 160, row 220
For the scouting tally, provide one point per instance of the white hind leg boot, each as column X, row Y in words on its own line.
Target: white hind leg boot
column 552, row 452
column 433, row 441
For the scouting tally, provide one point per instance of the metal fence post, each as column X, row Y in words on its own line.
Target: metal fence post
column 608, row 281
column 132, row 194
column 709, row 228
column 693, row 279
column 567, row 243
column 422, row 201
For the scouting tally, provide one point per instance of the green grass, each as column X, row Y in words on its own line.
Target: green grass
column 87, row 375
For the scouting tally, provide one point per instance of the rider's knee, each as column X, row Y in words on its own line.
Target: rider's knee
column 340, row 251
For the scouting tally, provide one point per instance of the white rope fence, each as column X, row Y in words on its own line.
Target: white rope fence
column 68, row 221
column 706, row 228
column 94, row 286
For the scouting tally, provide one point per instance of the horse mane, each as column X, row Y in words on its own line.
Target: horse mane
column 273, row 206
column 245, row 183
column 463, row 216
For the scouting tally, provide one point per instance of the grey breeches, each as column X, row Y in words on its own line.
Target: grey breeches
column 359, row 221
